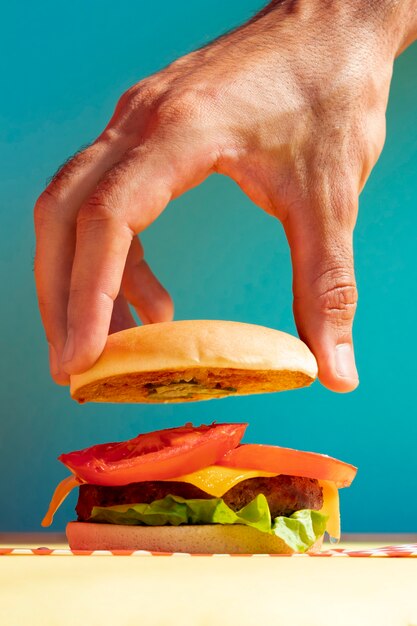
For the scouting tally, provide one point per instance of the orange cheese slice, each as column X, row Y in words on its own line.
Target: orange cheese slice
column 331, row 508
column 58, row 497
column 216, row 480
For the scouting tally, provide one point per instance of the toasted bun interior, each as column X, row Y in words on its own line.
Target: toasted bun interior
column 198, row 539
column 195, row 360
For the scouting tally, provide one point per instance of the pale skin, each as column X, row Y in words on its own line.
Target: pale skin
column 292, row 107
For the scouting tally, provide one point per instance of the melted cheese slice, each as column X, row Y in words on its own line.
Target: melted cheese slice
column 216, row 480
column 331, row 508
column 61, row 491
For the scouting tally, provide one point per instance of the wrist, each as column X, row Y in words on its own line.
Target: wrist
column 391, row 23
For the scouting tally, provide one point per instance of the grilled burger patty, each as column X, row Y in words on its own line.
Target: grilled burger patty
column 285, row 494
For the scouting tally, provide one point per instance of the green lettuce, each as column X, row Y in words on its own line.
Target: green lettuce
column 299, row 531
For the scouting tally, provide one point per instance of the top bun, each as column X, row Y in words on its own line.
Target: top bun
column 194, row 360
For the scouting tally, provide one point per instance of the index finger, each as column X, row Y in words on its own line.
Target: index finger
column 127, row 199
column 55, row 225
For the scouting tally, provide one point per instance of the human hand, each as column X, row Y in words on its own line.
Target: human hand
column 292, row 107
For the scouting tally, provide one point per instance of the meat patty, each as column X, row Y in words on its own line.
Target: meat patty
column 285, row 494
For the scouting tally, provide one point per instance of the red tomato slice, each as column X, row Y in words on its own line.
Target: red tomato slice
column 154, row 456
column 291, row 462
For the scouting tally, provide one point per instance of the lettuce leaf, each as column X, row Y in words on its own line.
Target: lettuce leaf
column 175, row 510
column 299, row 531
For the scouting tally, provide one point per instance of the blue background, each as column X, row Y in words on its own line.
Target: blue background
column 63, row 69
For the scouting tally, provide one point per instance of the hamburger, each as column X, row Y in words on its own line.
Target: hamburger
column 199, row 489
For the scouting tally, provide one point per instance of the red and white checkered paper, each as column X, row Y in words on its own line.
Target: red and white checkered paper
column 408, row 550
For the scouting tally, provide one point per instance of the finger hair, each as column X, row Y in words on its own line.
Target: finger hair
column 290, row 6
column 64, row 170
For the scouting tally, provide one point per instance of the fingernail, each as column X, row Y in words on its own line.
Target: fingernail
column 345, row 361
column 53, row 360
column 69, row 347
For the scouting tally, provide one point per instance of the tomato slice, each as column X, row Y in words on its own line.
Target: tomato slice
column 291, row 462
column 154, row 456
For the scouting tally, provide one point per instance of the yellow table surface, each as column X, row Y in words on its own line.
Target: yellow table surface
column 205, row 591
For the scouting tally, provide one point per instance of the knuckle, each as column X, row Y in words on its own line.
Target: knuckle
column 143, row 94
column 136, row 107
column 42, row 206
column 110, row 137
column 180, row 108
column 338, row 295
column 102, row 212
column 94, row 213
column 45, row 208
column 54, row 197
column 78, row 293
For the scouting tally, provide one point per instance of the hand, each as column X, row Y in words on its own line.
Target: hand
column 292, row 107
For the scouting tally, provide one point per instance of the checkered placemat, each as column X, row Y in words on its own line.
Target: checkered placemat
column 408, row 550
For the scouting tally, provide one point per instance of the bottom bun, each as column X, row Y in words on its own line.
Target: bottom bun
column 199, row 539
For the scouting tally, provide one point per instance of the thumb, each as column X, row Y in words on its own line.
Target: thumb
column 324, row 286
